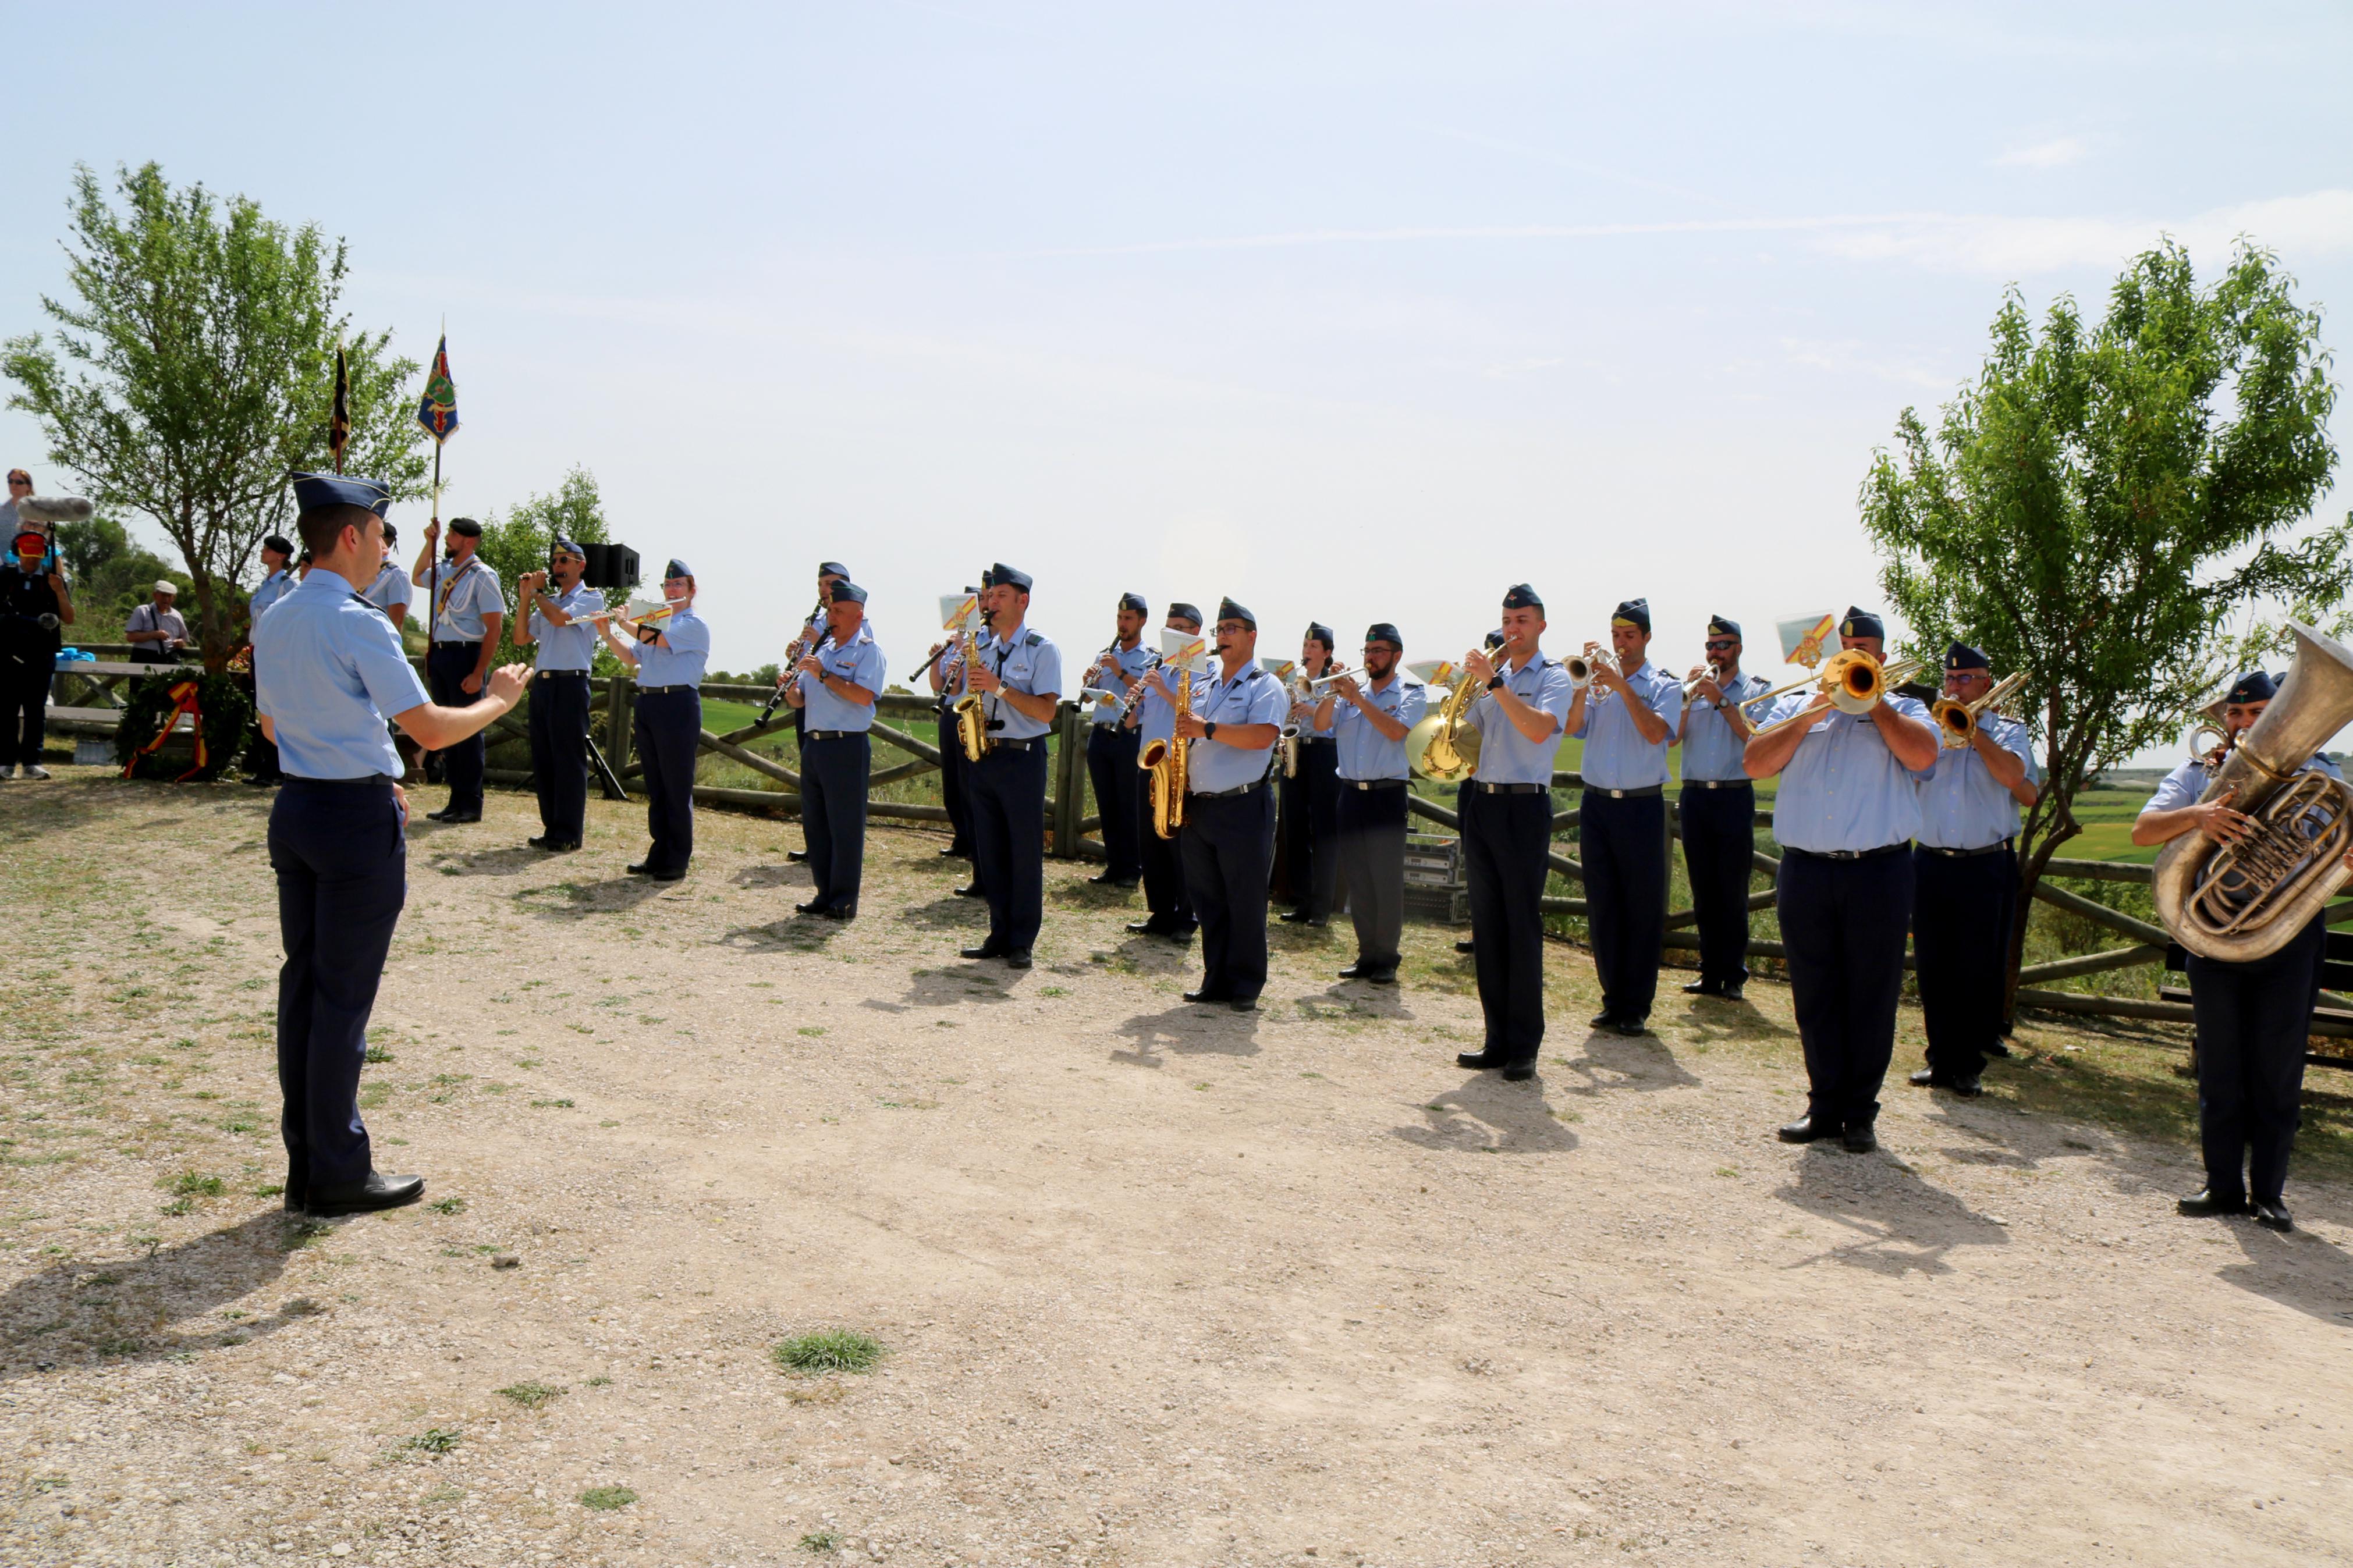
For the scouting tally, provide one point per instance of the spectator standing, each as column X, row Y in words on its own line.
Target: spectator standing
column 33, row 607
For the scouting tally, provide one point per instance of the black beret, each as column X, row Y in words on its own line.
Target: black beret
column 2253, row 686
column 390, row 533
column 1003, row 576
column 1135, row 602
column 1961, row 656
column 848, row 593
column 1520, row 597
column 831, row 569
column 1633, row 613
column 279, row 542
column 1181, row 611
column 1321, row 634
column 1229, row 611
column 1717, row 626
column 1383, row 632
column 1861, row 623
column 467, row 526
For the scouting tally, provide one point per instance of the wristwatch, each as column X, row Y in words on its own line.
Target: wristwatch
column 1494, row 681
column 1208, row 729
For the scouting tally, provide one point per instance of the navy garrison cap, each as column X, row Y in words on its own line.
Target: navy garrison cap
column 1961, row 656
column 559, row 545
column 1229, row 611
column 1717, row 626
column 831, row 569
column 467, row 526
column 1496, row 638
column 313, row 491
column 677, row 568
column 1520, row 597
column 988, row 578
column 1321, row 634
column 1861, row 623
column 1181, row 611
column 1005, row 576
column 2253, row 686
column 1383, row 632
column 1135, row 602
column 1632, row 613
column 848, row 593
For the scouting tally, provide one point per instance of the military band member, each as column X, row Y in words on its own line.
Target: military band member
column 469, row 608
column 812, row 633
column 1112, row 744
column 1506, row 823
column 1965, row 881
column 1717, row 810
column 1019, row 677
column 669, row 656
column 391, row 592
column 1626, row 716
column 1845, row 816
column 1237, row 716
column 1153, row 717
column 1367, row 723
column 2252, row 1018
column 944, row 669
column 554, row 607
column 277, row 581
column 835, row 688
column 1311, row 801
column 328, row 671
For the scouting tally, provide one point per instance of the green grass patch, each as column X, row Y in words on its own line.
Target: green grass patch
column 606, row 1498
column 192, row 1185
column 829, row 1349
column 822, row 1541
column 533, row 1395
column 435, row 1440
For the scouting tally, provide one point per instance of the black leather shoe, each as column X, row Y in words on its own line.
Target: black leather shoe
column 1360, row 970
column 2272, row 1217
column 2001, row 1047
column 364, row 1197
column 1018, row 958
column 956, row 852
column 561, row 846
column 440, row 816
column 839, row 912
column 1808, row 1130
column 814, row 907
column 1243, row 1003
column 1603, row 1021
column 677, row 875
column 1149, row 927
column 1703, row 988
column 1727, row 994
column 797, row 856
column 1294, row 916
column 1462, row 947
column 1967, row 1087
column 1924, row 1078
column 1632, row 1028
column 969, row 891
column 1107, row 880
column 985, row 950
column 462, row 817
column 2203, row 1204
column 295, row 1197
column 1859, row 1139
column 641, row 867
column 1479, row 1061
column 1204, row 997
column 1519, row 1072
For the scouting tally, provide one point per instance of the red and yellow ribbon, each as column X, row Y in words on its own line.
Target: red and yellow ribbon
column 183, row 701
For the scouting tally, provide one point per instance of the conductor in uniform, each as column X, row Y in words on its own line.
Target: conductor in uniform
column 2252, row 1018
column 669, row 656
column 1367, row 723
column 1153, row 717
column 1112, row 744
column 555, row 610
column 1626, row 715
column 1847, row 812
column 1229, row 840
column 834, row 687
column 1506, row 823
column 1965, row 881
column 1717, row 810
column 1311, row 801
column 329, row 668
column 1019, row 677
column 469, row 608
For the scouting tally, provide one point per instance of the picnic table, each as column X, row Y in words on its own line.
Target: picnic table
column 105, row 677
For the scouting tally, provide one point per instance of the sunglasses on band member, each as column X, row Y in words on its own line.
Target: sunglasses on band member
column 1716, row 644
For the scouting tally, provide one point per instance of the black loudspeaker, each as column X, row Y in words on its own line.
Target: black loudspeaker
column 610, row 566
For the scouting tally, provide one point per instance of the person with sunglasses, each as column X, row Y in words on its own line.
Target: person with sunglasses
column 34, row 605
column 1236, row 718
column 1717, row 810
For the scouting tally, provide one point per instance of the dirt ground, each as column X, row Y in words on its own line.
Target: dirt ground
column 1157, row 1284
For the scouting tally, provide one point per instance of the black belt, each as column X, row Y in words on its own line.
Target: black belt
column 1009, row 746
column 657, row 690
column 1225, row 794
column 365, row 781
column 551, row 674
column 1643, row 793
column 1719, row 783
column 1484, row 787
column 1319, row 740
column 1373, row 784
column 834, row 734
column 453, row 642
column 1969, row 854
column 1848, row 853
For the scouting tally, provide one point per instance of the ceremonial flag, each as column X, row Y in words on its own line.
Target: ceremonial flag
column 338, row 414
column 1803, row 639
column 1433, row 672
column 438, row 410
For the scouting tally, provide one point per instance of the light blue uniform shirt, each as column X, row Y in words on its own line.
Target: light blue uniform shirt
column 329, row 669
column 1711, row 748
column 1154, row 719
column 274, row 587
column 1844, row 789
column 860, row 664
column 391, row 587
column 467, row 595
column 1029, row 663
column 1252, row 697
column 1365, row 752
column 1505, row 755
column 573, row 646
column 1961, row 806
column 1616, row 755
column 2186, row 784
column 680, row 664
column 1129, row 661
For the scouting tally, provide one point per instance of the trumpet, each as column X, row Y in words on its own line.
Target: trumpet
column 637, row 613
column 1690, row 687
column 1957, row 722
column 1856, row 682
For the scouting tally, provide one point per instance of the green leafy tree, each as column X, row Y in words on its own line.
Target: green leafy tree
column 192, row 369
column 517, row 542
column 2106, row 499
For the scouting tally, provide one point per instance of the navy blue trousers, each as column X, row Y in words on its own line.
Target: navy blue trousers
column 1164, row 876
column 1505, row 839
column 446, row 669
column 1311, row 828
column 833, row 816
column 1372, row 863
column 2253, row 1020
column 1719, row 828
column 342, row 876
column 559, row 752
column 1229, row 851
column 953, row 793
column 1842, row 929
column 1960, row 942
column 1625, row 848
column 1007, row 792
column 1118, row 784
column 669, row 729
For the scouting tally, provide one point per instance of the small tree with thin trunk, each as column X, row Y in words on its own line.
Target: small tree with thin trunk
column 193, row 369
column 2103, row 502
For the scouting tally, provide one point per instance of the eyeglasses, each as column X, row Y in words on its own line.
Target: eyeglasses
column 1230, row 626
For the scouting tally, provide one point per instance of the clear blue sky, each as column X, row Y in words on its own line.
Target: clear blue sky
column 1353, row 311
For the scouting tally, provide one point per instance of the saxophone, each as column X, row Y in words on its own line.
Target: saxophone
column 971, row 721
column 1165, row 760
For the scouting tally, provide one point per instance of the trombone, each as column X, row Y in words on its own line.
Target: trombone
column 1856, row 682
column 1957, row 721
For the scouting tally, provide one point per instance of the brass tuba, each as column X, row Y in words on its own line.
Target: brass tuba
column 1164, row 761
column 2246, row 901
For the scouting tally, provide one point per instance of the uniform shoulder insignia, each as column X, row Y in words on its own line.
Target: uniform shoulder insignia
column 365, row 602
column 1033, row 639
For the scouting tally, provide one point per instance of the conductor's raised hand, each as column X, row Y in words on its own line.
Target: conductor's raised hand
column 508, row 681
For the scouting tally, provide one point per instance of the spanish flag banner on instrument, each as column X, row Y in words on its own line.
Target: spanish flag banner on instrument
column 1433, row 671
column 960, row 613
column 437, row 411
column 1181, row 650
column 1803, row 640
column 1282, row 670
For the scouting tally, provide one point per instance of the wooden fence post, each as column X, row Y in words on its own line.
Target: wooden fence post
column 620, row 701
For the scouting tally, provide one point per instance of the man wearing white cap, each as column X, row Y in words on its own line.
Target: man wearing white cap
column 156, row 633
